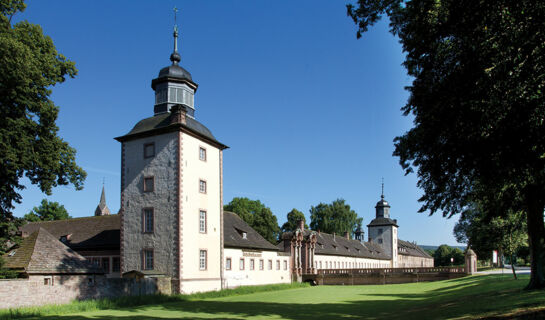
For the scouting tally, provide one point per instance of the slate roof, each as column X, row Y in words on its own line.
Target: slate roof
column 89, row 233
column 234, row 226
column 161, row 122
column 43, row 253
column 410, row 249
column 383, row 222
column 328, row 244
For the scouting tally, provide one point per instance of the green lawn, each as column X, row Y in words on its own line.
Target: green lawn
column 469, row 297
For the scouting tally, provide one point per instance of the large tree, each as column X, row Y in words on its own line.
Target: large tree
column 257, row 215
column 47, row 211
column 336, row 217
column 478, row 101
column 29, row 66
column 293, row 217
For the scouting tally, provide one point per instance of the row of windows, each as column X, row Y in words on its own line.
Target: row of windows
column 105, row 263
column 346, row 265
column 148, row 220
column 149, row 151
column 241, row 264
column 175, row 95
column 147, row 259
column 149, row 184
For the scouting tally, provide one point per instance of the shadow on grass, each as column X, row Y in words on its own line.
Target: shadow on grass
column 475, row 296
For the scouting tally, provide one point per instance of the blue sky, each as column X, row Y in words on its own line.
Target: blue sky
column 308, row 111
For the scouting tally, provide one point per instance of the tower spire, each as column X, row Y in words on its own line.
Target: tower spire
column 175, row 56
column 382, row 193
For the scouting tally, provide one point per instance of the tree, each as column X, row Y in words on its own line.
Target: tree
column 478, row 103
column 257, row 215
column 292, row 218
column 47, row 211
column 443, row 255
column 29, row 66
column 336, row 217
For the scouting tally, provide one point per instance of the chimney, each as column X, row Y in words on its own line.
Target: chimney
column 178, row 114
column 301, row 224
column 347, row 235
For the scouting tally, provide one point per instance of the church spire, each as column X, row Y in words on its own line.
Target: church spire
column 102, row 208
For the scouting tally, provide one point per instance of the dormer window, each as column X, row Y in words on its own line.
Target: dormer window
column 242, row 233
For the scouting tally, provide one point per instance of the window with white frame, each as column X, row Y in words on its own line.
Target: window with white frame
column 202, row 221
column 285, row 265
column 202, row 186
column 228, row 264
column 202, row 259
column 261, row 264
column 270, row 264
column 241, row 264
column 277, row 264
column 252, row 264
column 202, row 153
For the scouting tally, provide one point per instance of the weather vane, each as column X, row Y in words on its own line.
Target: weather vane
column 175, row 13
column 382, row 194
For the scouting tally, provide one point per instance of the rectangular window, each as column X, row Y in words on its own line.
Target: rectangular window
column 202, row 221
column 149, row 150
column 106, row 265
column 252, row 264
column 147, row 220
column 261, row 264
column 285, row 265
column 149, row 184
column 379, row 240
column 116, row 264
column 202, row 154
column 241, row 264
column 148, row 259
column 270, row 264
column 228, row 264
column 202, row 186
column 202, row 259
column 277, row 264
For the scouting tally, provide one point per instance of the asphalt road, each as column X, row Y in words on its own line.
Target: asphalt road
column 507, row 270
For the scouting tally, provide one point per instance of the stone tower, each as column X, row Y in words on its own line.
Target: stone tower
column 383, row 230
column 172, row 189
column 102, row 208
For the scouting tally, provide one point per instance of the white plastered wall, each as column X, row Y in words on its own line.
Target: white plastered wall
column 192, row 202
column 344, row 262
column 236, row 277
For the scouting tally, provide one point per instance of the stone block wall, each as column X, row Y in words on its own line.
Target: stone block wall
column 60, row 289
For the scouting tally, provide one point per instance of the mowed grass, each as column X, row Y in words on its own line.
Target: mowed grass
column 465, row 298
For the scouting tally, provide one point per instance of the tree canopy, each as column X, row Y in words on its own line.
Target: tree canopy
column 334, row 217
column 257, row 215
column 29, row 66
column 47, row 211
column 443, row 254
column 292, row 218
column 478, row 103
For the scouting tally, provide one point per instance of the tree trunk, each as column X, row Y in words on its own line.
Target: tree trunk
column 536, row 237
column 513, row 266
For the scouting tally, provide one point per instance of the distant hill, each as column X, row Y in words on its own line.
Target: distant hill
column 435, row 247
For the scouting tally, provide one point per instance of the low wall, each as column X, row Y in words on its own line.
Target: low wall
column 60, row 289
column 383, row 276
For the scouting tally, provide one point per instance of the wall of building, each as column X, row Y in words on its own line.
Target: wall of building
column 386, row 237
column 193, row 201
column 405, row 261
column 344, row 262
column 163, row 200
column 58, row 289
column 236, row 277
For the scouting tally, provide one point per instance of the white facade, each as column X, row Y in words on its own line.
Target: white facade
column 254, row 267
column 345, row 262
